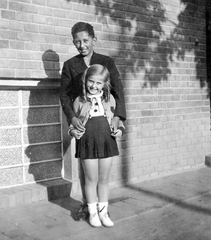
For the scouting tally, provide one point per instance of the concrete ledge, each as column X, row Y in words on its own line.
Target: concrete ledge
column 36, row 192
column 23, row 83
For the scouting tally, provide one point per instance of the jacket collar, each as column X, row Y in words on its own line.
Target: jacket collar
column 79, row 64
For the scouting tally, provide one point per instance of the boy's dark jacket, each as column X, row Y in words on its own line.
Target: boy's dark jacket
column 71, row 86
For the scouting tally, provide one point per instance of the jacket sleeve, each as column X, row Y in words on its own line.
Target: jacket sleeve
column 117, row 90
column 66, row 103
column 121, row 127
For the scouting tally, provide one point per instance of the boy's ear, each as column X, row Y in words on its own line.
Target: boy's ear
column 94, row 40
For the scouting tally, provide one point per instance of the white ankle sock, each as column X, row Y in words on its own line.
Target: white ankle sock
column 102, row 207
column 92, row 207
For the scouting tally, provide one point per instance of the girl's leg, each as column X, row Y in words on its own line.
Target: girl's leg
column 103, row 191
column 90, row 167
column 103, row 178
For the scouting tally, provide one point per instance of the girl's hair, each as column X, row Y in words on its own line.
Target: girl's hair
column 83, row 26
column 97, row 69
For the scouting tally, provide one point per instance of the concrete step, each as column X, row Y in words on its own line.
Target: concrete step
column 44, row 191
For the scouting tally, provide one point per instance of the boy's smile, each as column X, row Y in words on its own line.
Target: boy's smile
column 84, row 43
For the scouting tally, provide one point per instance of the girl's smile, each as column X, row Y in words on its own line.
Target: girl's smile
column 95, row 84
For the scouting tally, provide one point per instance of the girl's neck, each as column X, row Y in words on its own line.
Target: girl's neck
column 99, row 95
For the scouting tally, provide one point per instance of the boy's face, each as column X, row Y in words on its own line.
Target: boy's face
column 84, row 43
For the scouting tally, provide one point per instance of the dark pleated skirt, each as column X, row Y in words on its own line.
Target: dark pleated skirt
column 97, row 141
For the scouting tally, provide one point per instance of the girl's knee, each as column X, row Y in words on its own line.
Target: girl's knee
column 91, row 180
column 103, row 180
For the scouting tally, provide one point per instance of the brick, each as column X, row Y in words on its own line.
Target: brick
column 29, row 46
column 31, row 28
column 7, row 73
column 7, row 53
column 17, row 45
column 3, row 4
column 32, row 65
column 22, row 73
column 73, row 15
column 45, row 11
column 39, row 19
column 45, row 47
column 4, row 44
column 14, row 25
column 39, row 2
column 65, row 40
column 4, row 24
column 52, row 39
column 8, row 14
column 37, row 74
column 53, row 3
column 16, row 64
column 62, row 31
column 29, row 8
column 8, row 34
column 87, row 17
column 52, row 21
column 61, row 49
column 46, row 29
column 66, row 23
column 40, row 38
column 22, row 16
column 24, row 55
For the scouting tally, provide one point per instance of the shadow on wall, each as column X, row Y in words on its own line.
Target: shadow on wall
column 42, row 119
column 156, row 41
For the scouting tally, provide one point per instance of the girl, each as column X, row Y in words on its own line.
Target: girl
column 97, row 144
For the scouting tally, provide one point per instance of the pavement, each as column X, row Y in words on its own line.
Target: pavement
column 174, row 207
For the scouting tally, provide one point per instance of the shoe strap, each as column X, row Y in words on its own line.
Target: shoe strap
column 102, row 209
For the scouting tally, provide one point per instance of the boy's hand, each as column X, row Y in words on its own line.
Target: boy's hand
column 115, row 123
column 77, row 134
column 77, row 124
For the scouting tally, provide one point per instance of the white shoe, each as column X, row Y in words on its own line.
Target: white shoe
column 94, row 220
column 105, row 219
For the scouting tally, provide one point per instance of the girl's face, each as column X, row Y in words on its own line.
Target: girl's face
column 95, row 84
column 84, row 43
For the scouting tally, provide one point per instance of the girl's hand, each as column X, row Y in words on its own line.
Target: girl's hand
column 77, row 124
column 77, row 134
column 116, row 134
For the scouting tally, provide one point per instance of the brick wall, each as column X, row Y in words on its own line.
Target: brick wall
column 160, row 50
column 208, row 18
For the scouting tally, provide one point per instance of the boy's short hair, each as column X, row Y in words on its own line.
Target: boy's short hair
column 83, row 26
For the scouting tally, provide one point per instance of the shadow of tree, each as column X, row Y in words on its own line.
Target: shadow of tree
column 149, row 40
